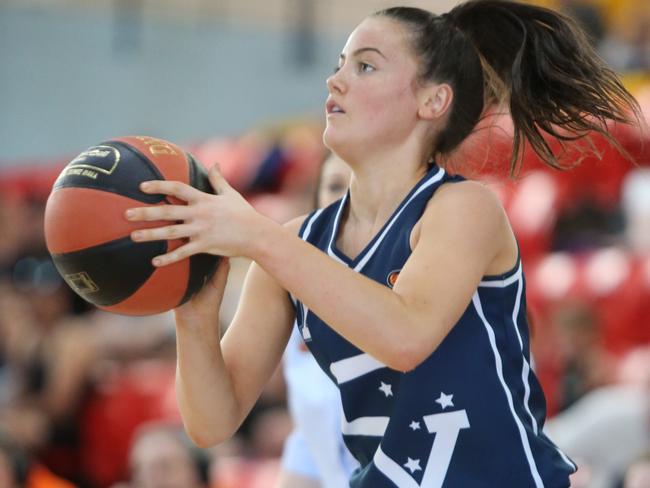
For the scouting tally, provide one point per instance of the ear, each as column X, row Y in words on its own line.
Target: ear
column 435, row 101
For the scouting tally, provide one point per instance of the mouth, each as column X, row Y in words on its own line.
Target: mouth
column 331, row 107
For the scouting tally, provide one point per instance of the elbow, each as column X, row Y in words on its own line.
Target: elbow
column 408, row 351
column 407, row 356
column 206, row 433
column 206, row 438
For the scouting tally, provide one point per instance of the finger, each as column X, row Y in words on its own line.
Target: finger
column 176, row 189
column 162, row 233
column 177, row 254
column 217, row 180
column 158, row 212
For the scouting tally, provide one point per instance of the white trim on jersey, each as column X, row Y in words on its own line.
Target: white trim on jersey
column 339, row 212
column 434, row 179
column 307, row 230
column 566, row 459
column 353, row 367
column 502, row 283
column 304, row 236
column 368, row 426
column 525, row 369
column 476, row 300
column 364, row 260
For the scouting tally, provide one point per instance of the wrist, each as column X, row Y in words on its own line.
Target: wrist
column 266, row 238
column 202, row 327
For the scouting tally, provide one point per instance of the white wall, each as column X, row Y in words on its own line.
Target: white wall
column 70, row 78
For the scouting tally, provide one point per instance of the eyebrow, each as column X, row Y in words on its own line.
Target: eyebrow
column 363, row 50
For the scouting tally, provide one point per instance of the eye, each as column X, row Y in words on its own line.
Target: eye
column 336, row 69
column 365, row 67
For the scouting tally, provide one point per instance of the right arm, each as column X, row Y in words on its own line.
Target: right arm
column 218, row 382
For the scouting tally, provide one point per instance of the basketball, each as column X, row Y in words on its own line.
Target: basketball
column 89, row 238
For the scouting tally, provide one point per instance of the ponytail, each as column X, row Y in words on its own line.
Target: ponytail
column 537, row 61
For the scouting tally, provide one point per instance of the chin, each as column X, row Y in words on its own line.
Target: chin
column 345, row 148
column 337, row 138
column 329, row 139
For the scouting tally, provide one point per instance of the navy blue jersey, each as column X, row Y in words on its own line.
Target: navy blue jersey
column 471, row 414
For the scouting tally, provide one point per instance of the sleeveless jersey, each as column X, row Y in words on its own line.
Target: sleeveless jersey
column 470, row 415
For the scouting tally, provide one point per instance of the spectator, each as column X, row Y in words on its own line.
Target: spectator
column 162, row 457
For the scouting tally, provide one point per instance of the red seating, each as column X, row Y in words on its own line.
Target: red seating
column 141, row 392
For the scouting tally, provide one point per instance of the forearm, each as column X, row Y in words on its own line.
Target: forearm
column 204, row 390
column 369, row 315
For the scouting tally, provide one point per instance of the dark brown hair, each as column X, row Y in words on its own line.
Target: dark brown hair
column 535, row 60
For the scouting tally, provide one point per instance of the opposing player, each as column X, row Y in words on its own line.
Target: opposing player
column 314, row 454
column 410, row 292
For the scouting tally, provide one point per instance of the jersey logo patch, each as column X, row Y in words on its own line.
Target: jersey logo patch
column 391, row 279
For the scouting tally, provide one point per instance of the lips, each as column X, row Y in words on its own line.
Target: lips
column 332, row 107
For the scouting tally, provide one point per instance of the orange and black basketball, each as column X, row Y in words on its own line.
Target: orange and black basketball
column 89, row 238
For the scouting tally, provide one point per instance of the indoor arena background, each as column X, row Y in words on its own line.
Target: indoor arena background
column 243, row 83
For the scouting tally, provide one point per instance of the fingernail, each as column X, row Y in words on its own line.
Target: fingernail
column 157, row 261
column 129, row 214
column 144, row 186
column 136, row 236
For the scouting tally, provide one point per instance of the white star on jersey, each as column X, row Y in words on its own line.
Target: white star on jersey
column 386, row 389
column 445, row 400
column 415, row 425
column 412, row 465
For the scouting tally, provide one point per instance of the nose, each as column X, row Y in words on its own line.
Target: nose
column 335, row 83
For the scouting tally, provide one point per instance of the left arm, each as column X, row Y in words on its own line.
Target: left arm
column 463, row 233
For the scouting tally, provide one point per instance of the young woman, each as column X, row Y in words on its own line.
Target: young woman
column 410, row 292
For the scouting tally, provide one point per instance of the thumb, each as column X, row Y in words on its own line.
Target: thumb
column 217, row 180
column 208, row 299
column 220, row 276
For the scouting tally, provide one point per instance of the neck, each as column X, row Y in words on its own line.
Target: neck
column 380, row 182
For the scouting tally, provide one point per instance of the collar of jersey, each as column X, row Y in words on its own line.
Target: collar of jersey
column 433, row 176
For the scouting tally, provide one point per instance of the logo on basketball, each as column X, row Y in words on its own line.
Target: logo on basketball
column 391, row 279
column 81, row 283
column 97, row 159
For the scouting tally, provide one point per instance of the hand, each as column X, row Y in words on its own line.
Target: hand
column 223, row 224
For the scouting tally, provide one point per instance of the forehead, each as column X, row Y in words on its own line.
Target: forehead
column 382, row 33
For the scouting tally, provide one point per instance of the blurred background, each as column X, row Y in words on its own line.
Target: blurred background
column 87, row 398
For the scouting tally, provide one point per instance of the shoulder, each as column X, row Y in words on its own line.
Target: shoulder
column 295, row 224
column 467, row 202
column 466, row 210
column 466, row 195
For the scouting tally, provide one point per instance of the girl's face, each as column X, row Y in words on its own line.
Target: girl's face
column 372, row 99
column 334, row 181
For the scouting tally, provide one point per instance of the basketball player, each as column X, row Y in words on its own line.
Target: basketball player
column 314, row 454
column 409, row 292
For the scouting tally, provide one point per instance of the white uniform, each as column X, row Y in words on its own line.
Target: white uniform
column 315, row 448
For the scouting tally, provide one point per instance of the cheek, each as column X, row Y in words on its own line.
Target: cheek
column 393, row 108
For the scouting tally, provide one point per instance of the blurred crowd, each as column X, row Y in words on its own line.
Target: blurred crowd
column 87, row 398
